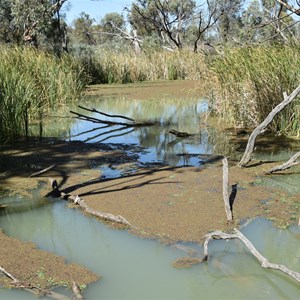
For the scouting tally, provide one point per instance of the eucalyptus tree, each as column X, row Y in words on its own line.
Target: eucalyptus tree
column 230, row 20
column 8, row 31
column 274, row 21
column 82, row 29
column 168, row 19
column 31, row 22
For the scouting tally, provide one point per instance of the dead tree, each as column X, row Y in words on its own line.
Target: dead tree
column 262, row 126
column 130, row 123
column 263, row 261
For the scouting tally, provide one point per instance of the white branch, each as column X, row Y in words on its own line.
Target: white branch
column 225, row 190
column 262, row 126
column 263, row 261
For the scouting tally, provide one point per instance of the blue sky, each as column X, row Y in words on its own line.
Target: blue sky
column 97, row 9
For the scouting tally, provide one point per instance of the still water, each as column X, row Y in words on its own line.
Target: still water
column 132, row 268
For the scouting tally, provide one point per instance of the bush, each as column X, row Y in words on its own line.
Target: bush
column 32, row 82
column 250, row 82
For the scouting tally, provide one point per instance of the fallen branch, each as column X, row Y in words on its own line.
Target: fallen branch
column 32, row 288
column 263, row 261
column 132, row 123
column 96, row 120
column 42, row 171
column 262, row 126
column 225, row 191
column 290, row 163
column 76, row 291
column 78, row 201
column 104, row 114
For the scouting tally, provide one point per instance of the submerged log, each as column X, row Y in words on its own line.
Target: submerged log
column 262, row 126
column 263, row 261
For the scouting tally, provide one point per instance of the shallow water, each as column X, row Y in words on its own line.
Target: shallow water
column 134, row 268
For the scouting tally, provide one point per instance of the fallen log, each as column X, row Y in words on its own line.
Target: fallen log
column 262, row 126
column 79, row 201
column 290, row 163
column 263, row 261
column 32, row 288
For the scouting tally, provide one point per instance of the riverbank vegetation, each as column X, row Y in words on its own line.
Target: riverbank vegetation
column 249, row 82
column 244, row 56
column 31, row 83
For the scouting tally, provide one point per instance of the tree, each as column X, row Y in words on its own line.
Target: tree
column 83, row 29
column 28, row 21
column 208, row 15
column 168, row 19
column 229, row 21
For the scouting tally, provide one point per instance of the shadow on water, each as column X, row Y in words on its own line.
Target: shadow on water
column 133, row 268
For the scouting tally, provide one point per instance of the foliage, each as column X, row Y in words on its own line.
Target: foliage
column 250, row 82
column 32, row 22
column 32, row 82
column 106, row 66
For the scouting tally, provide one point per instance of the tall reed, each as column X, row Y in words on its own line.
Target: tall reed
column 249, row 82
column 124, row 67
column 32, row 82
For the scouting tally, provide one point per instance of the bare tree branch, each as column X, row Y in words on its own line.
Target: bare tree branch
column 263, row 261
column 262, row 126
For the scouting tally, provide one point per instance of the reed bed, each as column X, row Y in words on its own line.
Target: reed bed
column 31, row 83
column 125, row 67
column 247, row 83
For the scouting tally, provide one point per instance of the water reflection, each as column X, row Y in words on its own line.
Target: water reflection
column 161, row 146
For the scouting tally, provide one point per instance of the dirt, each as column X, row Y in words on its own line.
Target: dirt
column 169, row 204
column 39, row 268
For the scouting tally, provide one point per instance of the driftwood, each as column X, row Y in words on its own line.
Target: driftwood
column 290, row 163
column 262, row 126
column 79, row 201
column 263, row 261
column 228, row 207
column 32, row 288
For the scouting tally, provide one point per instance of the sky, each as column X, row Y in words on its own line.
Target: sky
column 97, row 9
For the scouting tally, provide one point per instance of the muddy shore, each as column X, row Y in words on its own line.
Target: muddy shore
column 166, row 203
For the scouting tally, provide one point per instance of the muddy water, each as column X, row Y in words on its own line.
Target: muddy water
column 133, row 268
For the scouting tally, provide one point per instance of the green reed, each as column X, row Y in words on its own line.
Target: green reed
column 31, row 83
column 249, row 82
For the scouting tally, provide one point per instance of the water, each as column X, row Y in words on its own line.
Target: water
column 159, row 145
column 132, row 268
